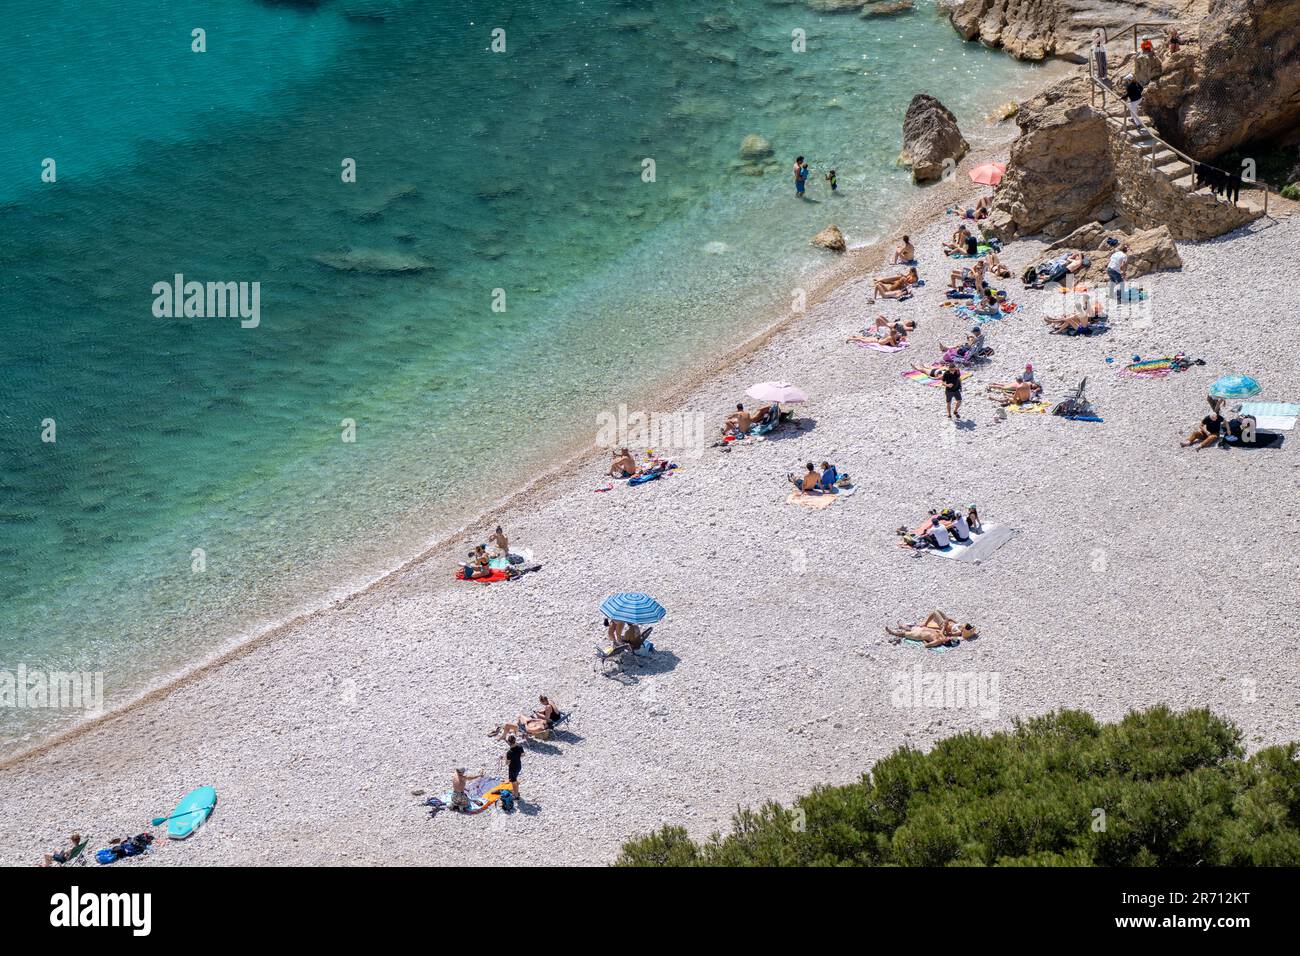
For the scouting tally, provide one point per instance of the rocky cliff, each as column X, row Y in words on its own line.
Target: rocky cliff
column 1036, row 29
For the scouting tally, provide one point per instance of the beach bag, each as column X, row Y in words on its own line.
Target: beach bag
column 106, row 855
column 507, row 801
column 1030, row 276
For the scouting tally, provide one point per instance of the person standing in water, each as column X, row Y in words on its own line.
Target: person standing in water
column 830, row 178
column 800, row 176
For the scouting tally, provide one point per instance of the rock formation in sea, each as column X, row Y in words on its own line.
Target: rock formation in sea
column 830, row 238
column 754, row 148
column 376, row 261
column 930, row 138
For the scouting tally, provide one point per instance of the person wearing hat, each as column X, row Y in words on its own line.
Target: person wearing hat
column 459, row 798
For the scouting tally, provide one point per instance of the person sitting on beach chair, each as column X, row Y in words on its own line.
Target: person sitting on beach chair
column 935, row 630
column 896, row 286
column 808, row 481
column 904, row 253
column 624, row 465
column 768, row 417
column 1210, row 429
column 967, row 277
column 76, row 846
column 972, row 349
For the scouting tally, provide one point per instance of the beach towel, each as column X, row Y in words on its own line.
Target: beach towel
column 1262, row 440
column 814, row 501
column 982, row 545
column 972, row 315
column 1152, row 368
column 878, row 347
column 938, row 649
column 1030, row 408
column 497, row 575
column 1272, row 416
column 1095, row 328
column 916, row 375
column 1083, row 418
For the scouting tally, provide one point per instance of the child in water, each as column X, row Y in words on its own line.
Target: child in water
column 830, row 178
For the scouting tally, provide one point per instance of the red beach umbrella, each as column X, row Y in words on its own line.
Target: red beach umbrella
column 988, row 174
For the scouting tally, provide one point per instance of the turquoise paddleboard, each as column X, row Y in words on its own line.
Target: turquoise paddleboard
column 191, row 813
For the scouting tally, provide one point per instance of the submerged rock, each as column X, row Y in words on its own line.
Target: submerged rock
column 755, row 147
column 830, row 238
column 375, row 261
column 886, row 8
column 930, row 138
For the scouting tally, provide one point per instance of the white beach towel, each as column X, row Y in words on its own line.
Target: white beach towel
column 981, row 547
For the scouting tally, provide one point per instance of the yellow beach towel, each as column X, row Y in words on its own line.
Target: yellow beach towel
column 811, row 501
column 1031, row 408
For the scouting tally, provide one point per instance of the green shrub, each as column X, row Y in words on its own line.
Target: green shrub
column 1155, row 789
column 1291, row 192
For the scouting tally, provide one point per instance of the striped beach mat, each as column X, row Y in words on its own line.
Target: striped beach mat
column 1152, row 368
column 915, row 375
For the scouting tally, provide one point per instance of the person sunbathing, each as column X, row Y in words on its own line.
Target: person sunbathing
column 896, row 286
column 67, row 854
column 1021, row 393
column 740, row 421
column 479, row 564
column 904, row 253
column 623, row 465
column 892, row 335
column 937, row 629
column 1074, row 321
column 958, row 244
column 969, row 350
column 807, row 483
column 983, row 206
column 538, row 722
column 996, row 266
column 1210, row 429
column 973, row 277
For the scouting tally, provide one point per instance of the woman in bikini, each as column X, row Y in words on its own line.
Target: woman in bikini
column 896, row 286
column 937, row 629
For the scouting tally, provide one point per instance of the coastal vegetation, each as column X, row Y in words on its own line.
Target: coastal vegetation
column 1157, row 788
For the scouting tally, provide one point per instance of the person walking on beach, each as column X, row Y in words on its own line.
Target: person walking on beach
column 951, row 376
column 514, row 764
column 800, row 176
column 1115, row 270
column 1099, row 52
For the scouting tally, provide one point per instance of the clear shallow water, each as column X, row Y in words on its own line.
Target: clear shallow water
column 518, row 171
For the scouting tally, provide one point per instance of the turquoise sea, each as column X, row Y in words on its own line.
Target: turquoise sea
column 518, row 171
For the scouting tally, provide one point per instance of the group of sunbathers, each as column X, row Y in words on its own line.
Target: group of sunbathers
column 896, row 286
column 813, row 481
column 1023, row 389
column 624, row 465
column 1214, row 428
column 478, row 563
column 941, row 529
column 884, row 332
column 936, row 630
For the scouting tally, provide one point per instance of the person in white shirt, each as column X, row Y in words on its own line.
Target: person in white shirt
column 960, row 529
column 939, row 535
column 1115, row 270
column 1099, row 52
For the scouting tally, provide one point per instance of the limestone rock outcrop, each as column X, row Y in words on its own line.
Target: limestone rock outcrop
column 1149, row 250
column 1239, row 83
column 1037, row 29
column 830, row 238
column 930, row 138
column 754, row 148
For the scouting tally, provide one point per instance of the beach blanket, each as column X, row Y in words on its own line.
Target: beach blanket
column 1083, row 418
column 1262, row 440
column 972, row 315
column 1272, row 416
column 981, row 546
column 915, row 375
column 878, row 347
column 1030, row 408
column 1152, row 368
column 814, row 501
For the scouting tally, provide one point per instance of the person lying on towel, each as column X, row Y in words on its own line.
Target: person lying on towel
column 937, row 629
column 538, row 722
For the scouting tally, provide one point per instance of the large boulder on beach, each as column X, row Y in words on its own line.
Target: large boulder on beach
column 830, row 238
column 754, row 148
column 1149, row 250
column 1060, row 170
column 930, row 138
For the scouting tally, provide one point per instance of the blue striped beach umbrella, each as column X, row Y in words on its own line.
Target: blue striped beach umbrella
column 1235, row 386
column 633, row 608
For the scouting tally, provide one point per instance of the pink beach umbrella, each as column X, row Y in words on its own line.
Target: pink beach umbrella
column 783, row 393
column 988, row 174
